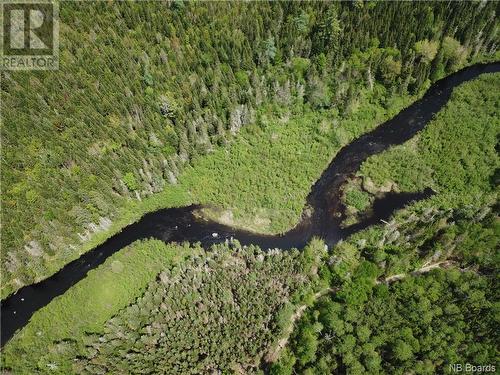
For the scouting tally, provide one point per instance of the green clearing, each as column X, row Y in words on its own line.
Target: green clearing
column 262, row 284
column 455, row 154
column 261, row 180
column 88, row 305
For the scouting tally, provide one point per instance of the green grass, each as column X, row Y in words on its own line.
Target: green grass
column 296, row 151
column 455, row 154
column 88, row 305
column 262, row 179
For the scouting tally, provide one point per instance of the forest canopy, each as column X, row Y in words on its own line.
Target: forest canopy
column 145, row 87
column 239, row 107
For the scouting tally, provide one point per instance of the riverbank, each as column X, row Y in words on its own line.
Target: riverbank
column 113, row 299
column 290, row 149
column 455, row 154
column 344, row 150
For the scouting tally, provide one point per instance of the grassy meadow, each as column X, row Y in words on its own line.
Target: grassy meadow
column 456, row 154
column 291, row 150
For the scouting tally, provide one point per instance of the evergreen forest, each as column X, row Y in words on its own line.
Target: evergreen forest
column 239, row 108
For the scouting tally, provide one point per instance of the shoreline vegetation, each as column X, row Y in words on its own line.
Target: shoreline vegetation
column 130, row 109
column 280, row 142
column 239, row 107
column 458, row 162
column 384, row 245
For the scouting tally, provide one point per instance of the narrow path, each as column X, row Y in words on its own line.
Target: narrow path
column 180, row 225
column 274, row 353
column 425, row 268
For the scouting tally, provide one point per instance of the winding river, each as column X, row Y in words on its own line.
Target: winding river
column 180, row 224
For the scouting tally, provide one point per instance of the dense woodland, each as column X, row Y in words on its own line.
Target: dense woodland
column 146, row 87
column 170, row 309
column 386, row 318
column 218, row 314
column 242, row 105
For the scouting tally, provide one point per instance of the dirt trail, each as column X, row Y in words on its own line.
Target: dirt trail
column 273, row 354
column 426, row 268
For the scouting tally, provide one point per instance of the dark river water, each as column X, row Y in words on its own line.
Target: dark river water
column 179, row 224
